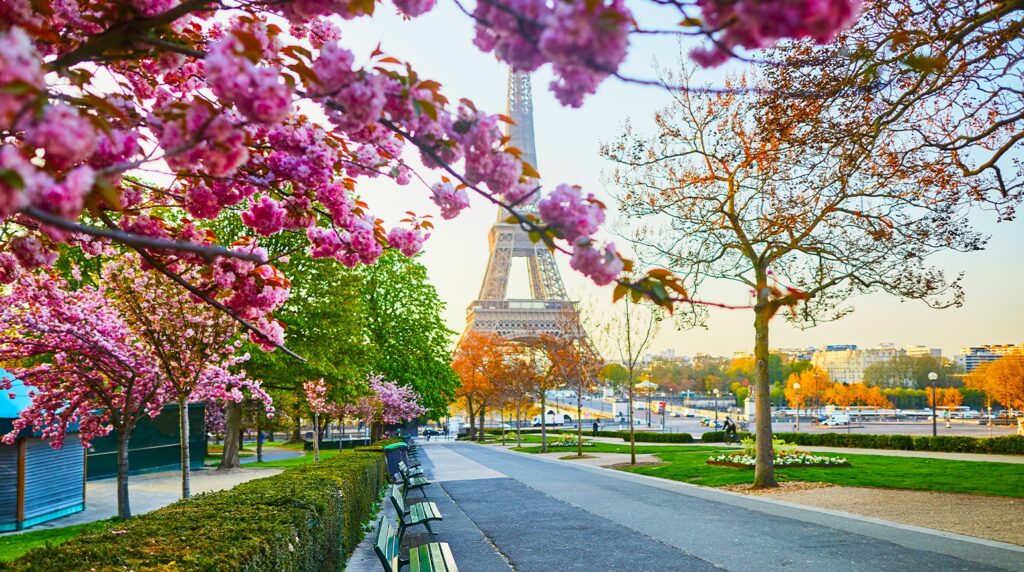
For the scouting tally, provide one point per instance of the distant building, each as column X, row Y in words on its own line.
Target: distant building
column 846, row 364
column 795, row 354
column 922, row 351
column 970, row 357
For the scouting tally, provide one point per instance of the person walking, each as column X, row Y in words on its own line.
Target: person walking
column 597, row 427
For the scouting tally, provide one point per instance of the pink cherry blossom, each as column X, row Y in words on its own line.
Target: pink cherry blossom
column 20, row 64
column 64, row 134
column 407, row 241
column 413, row 8
column 266, row 216
column 31, row 252
column 452, row 201
column 257, row 92
column 8, row 268
column 570, row 214
column 602, row 266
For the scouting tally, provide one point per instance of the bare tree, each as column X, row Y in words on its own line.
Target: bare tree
column 631, row 334
column 720, row 196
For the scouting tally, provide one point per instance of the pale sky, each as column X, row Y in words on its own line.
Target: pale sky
column 439, row 46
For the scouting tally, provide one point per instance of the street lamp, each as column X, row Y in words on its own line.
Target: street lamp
column 716, row 392
column 796, row 388
column 932, row 377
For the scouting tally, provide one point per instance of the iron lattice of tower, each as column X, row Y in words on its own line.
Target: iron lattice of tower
column 548, row 310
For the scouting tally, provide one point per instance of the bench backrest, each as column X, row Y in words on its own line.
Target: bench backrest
column 387, row 545
column 397, row 500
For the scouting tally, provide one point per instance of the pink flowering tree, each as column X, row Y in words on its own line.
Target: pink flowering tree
column 192, row 343
column 227, row 385
column 94, row 94
column 387, row 404
column 322, row 407
column 85, row 364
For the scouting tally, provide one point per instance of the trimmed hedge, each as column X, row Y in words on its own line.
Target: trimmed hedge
column 378, row 446
column 719, row 436
column 303, row 520
column 648, row 437
column 1006, row 445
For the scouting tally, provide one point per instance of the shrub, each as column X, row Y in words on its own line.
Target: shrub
column 1008, row 445
column 306, row 519
column 378, row 446
column 648, row 437
column 719, row 436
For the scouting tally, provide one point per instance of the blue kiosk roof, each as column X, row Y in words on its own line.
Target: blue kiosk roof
column 11, row 407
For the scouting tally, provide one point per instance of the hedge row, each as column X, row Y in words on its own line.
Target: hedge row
column 1007, row 445
column 640, row 436
column 303, row 520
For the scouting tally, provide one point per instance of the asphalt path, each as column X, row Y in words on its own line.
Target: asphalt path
column 513, row 511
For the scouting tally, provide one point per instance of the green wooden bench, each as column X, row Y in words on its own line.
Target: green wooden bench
column 414, row 514
column 410, row 482
column 430, row 557
column 412, row 470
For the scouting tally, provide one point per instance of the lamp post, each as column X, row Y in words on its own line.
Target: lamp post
column 716, row 392
column 933, row 377
column 796, row 388
column 990, row 420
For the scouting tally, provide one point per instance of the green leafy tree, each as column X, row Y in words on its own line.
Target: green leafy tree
column 409, row 342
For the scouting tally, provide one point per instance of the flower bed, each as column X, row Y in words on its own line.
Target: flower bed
column 568, row 443
column 744, row 460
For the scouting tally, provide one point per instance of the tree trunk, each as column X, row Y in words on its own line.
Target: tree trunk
column 186, row 490
column 316, row 438
column 480, row 429
column 296, row 431
column 472, row 418
column 579, row 423
column 632, row 436
column 518, row 423
column 124, row 508
column 543, row 422
column 232, row 436
column 259, row 439
column 764, row 470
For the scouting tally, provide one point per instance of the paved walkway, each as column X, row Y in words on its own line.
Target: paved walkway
column 150, row 491
column 510, row 511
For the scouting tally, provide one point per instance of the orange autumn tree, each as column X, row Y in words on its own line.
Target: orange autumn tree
column 1001, row 380
column 814, row 386
column 717, row 195
column 474, row 360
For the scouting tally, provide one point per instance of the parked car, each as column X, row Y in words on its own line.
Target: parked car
column 836, row 420
column 675, row 414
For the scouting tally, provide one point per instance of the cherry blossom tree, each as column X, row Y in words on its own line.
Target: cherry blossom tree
column 95, row 93
column 86, row 366
column 191, row 342
column 319, row 404
column 387, row 404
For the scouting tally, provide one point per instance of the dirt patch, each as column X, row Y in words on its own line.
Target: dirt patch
column 784, row 487
column 577, row 457
column 971, row 515
column 628, row 465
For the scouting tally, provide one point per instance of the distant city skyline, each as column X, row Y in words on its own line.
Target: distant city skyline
column 567, row 146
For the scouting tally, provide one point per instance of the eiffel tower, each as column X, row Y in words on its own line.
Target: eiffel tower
column 548, row 310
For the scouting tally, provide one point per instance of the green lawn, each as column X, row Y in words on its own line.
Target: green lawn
column 688, row 464
column 305, row 459
column 914, row 473
column 14, row 545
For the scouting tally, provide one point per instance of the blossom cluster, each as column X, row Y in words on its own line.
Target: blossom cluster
column 576, row 218
column 754, row 24
column 584, row 41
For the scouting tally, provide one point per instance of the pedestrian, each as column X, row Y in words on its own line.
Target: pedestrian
column 597, row 427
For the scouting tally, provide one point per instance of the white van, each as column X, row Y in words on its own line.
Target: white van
column 552, row 418
column 836, row 420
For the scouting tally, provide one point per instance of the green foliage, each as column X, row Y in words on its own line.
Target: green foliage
column 614, row 374
column 305, row 519
column 901, row 370
column 648, row 437
column 408, row 338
